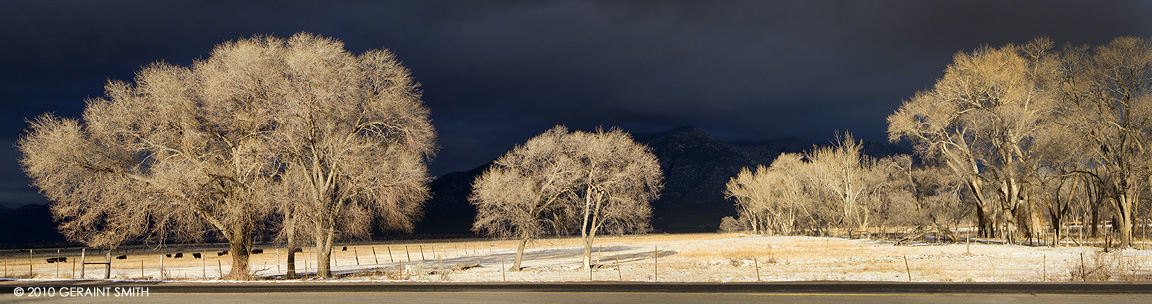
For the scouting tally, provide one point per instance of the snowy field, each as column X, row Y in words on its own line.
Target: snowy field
column 708, row 257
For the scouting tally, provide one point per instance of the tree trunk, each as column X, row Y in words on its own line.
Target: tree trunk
column 239, row 248
column 587, row 253
column 519, row 254
column 986, row 218
column 323, row 261
column 239, row 244
column 1010, row 204
column 588, row 228
column 324, row 253
column 981, row 222
column 292, row 246
column 1124, row 220
column 1095, row 221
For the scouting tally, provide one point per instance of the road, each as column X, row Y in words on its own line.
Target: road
column 614, row 292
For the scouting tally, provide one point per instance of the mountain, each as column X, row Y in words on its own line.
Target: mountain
column 448, row 212
column 696, row 167
column 30, row 225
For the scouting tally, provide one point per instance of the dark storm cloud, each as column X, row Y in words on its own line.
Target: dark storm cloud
column 495, row 74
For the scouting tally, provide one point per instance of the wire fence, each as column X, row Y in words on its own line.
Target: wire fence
column 646, row 258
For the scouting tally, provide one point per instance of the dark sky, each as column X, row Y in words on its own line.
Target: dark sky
column 497, row 73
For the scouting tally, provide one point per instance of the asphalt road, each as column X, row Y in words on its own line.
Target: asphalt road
column 608, row 292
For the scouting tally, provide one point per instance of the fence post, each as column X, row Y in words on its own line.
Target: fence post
column 141, row 269
column 161, row 276
column 357, row 255
column 374, row 259
column 1044, row 275
column 618, row 274
column 277, row 260
column 31, row 273
column 390, row 260
column 656, row 258
column 422, row 252
column 502, row 275
column 108, row 265
column 73, row 270
column 757, row 263
column 220, row 269
column 407, row 253
column 203, row 269
column 57, row 263
column 907, row 268
column 82, row 251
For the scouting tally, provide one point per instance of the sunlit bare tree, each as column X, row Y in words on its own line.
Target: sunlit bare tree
column 981, row 119
column 1107, row 94
column 181, row 152
column 597, row 181
column 843, row 171
column 357, row 137
column 330, row 140
column 527, row 193
column 618, row 179
column 771, row 199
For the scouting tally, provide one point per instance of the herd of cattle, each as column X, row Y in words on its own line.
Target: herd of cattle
column 181, row 255
column 195, row 255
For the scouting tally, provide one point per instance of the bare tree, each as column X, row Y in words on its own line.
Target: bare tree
column 1108, row 97
column 527, row 193
column 981, row 118
column 180, row 152
column 892, row 193
column 791, row 191
column 618, row 178
column 843, row 171
column 729, row 224
column 358, row 136
column 924, row 195
column 600, row 181
column 771, row 199
column 213, row 146
column 750, row 191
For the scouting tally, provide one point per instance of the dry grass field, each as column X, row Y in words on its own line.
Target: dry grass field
column 706, row 257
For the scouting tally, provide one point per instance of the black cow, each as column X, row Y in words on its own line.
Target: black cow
column 179, row 255
column 257, row 251
column 196, row 255
column 298, row 250
column 222, row 253
column 344, row 249
column 123, row 257
column 54, row 260
column 168, row 255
